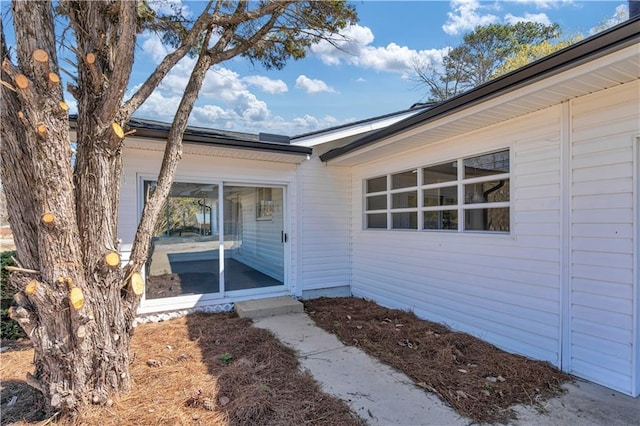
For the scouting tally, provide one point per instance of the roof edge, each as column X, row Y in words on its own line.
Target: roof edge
column 149, row 129
column 414, row 108
column 608, row 41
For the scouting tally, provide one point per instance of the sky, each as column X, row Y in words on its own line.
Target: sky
column 330, row 87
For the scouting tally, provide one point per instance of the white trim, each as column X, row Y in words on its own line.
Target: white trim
column 565, row 238
column 221, row 240
column 203, row 301
column 299, row 237
column 635, row 356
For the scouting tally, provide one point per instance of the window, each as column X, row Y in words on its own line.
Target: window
column 466, row 194
column 264, row 204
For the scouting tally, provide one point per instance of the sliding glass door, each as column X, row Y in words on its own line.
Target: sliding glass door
column 215, row 239
column 254, row 237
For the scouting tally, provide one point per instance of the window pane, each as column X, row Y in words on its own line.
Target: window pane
column 447, row 196
column 377, row 221
column 487, row 192
column 183, row 258
column 377, row 184
column 486, row 165
column 408, row 220
column 487, row 220
column 404, row 179
column 377, row 202
column 444, row 219
column 440, row 173
column 404, row 200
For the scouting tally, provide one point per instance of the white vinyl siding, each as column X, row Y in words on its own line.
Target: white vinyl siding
column 325, row 226
column 602, row 297
column 503, row 288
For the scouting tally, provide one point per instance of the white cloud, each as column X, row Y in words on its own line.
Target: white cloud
column 245, row 114
column 359, row 52
column 152, row 46
column 465, row 17
column 621, row 14
column 215, row 117
column 540, row 18
column 169, row 7
column 356, row 38
column 312, row 86
column 159, row 107
column 545, row 4
column 266, row 84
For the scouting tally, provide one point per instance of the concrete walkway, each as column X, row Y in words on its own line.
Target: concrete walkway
column 379, row 394
column 383, row 396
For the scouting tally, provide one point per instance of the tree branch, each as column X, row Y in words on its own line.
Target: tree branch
column 124, row 51
column 145, row 90
column 172, row 154
column 223, row 55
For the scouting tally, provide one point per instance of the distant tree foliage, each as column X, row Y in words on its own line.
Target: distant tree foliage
column 532, row 52
column 477, row 60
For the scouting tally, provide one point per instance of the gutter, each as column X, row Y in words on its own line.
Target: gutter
column 608, row 41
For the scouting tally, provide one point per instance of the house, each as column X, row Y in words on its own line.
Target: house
column 510, row 212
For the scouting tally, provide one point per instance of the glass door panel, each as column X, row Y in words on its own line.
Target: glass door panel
column 183, row 257
column 253, row 237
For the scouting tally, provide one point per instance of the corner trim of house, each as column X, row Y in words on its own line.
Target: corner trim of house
column 565, row 237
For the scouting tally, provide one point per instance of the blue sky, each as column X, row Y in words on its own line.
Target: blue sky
column 330, row 88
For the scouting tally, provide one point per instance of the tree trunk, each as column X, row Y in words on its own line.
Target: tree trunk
column 76, row 309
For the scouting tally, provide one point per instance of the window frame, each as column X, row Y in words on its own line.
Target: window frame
column 461, row 207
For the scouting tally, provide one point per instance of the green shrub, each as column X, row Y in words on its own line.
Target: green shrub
column 6, row 292
column 9, row 329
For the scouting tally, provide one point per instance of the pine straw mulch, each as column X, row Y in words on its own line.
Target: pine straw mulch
column 479, row 380
column 203, row 369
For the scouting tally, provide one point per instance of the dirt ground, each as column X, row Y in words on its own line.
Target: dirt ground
column 479, row 380
column 216, row 369
column 203, row 369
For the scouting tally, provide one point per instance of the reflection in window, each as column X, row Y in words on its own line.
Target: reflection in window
column 264, row 204
column 377, row 221
column 487, row 220
column 377, row 184
column 404, row 200
column 377, row 202
column 487, row 192
column 405, row 220
column 446, row 196
column 441, row 219
column 404, row 179
column 446, row 172
column 486, row 165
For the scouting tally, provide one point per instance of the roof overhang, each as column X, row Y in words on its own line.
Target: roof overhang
column 351, row 131
column 215, row 150
column 151, row 135
column 600, row 62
